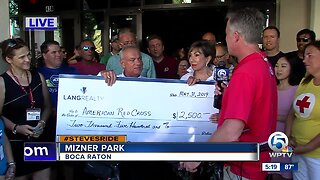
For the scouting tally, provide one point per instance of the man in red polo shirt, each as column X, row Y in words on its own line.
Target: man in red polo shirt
column 88, row 65
column 166, row 66
column 249, row 104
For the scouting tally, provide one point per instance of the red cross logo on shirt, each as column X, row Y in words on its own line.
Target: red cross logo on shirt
column 303, row 104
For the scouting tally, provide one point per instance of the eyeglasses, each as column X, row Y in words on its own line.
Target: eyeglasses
column 87, row 48
column 219, row 57
column 303, row 39
column 128, row 43
column 183, row 65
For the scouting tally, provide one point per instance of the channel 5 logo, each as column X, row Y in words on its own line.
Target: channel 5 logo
column 278, row 142
column 222, row 74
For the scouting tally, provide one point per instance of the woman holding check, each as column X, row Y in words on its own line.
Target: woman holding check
column 200, row 54
column 24, row 106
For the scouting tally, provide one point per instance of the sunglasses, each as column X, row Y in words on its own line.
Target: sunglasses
column 303, row 39
column 12, row 44
column 86, row 48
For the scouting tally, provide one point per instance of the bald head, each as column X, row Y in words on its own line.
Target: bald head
column 130, row 60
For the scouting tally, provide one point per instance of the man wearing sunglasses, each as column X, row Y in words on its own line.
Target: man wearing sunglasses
column 303, row 38
column 89, row 64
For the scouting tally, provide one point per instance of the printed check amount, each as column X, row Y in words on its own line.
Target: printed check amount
column 145, row 110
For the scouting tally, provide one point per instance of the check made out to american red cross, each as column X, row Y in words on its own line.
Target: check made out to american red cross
column 146, row 110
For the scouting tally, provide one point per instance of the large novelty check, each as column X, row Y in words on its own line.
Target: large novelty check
column 146, row 110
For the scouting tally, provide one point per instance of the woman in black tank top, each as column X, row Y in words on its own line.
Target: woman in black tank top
column 25, row 105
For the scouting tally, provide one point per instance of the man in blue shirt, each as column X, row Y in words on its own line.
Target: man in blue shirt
column 53, row 59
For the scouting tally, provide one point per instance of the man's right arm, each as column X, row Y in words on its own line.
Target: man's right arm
column 229, row 131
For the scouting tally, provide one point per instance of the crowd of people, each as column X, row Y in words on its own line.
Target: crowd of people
column 269, row 91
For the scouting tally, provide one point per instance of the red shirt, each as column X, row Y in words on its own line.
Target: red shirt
column 167, row 68
column 252, row 98
column 88, row 69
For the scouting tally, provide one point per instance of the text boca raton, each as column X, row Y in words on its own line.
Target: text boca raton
column 89, row 151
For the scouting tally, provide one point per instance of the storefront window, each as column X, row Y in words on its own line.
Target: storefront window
column 93, row 24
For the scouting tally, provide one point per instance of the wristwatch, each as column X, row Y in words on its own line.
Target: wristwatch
column 12, row 163
column 14, row 130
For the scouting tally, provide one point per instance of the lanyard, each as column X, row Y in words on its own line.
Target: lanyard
column 23, row 89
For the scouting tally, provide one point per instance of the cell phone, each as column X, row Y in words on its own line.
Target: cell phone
column 37, row 129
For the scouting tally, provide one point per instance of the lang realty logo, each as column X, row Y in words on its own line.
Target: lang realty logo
column 278, row 142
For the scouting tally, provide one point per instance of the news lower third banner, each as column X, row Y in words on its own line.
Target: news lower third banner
column 134, row 151
column 145, row 110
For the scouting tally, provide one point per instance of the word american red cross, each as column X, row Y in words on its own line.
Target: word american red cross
column 303, row 104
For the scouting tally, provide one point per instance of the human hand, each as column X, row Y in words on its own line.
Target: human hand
column 109, row 77
column 192, row 80
column 214, row 117
column 302, row 149
column 190, row 166
column 38, row 130
column 26, row 130
column 292, row 141
column 11, row 171
column 218, row 90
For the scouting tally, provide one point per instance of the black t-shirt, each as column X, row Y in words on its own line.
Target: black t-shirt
column 273, row 59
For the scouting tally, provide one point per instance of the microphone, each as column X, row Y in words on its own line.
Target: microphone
column 221, row 73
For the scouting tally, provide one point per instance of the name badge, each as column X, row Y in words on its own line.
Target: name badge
column 33, row 114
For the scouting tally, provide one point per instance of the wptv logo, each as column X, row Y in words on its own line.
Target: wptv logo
column 278, row 142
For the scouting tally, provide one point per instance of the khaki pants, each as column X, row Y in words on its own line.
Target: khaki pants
column 228, row 175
